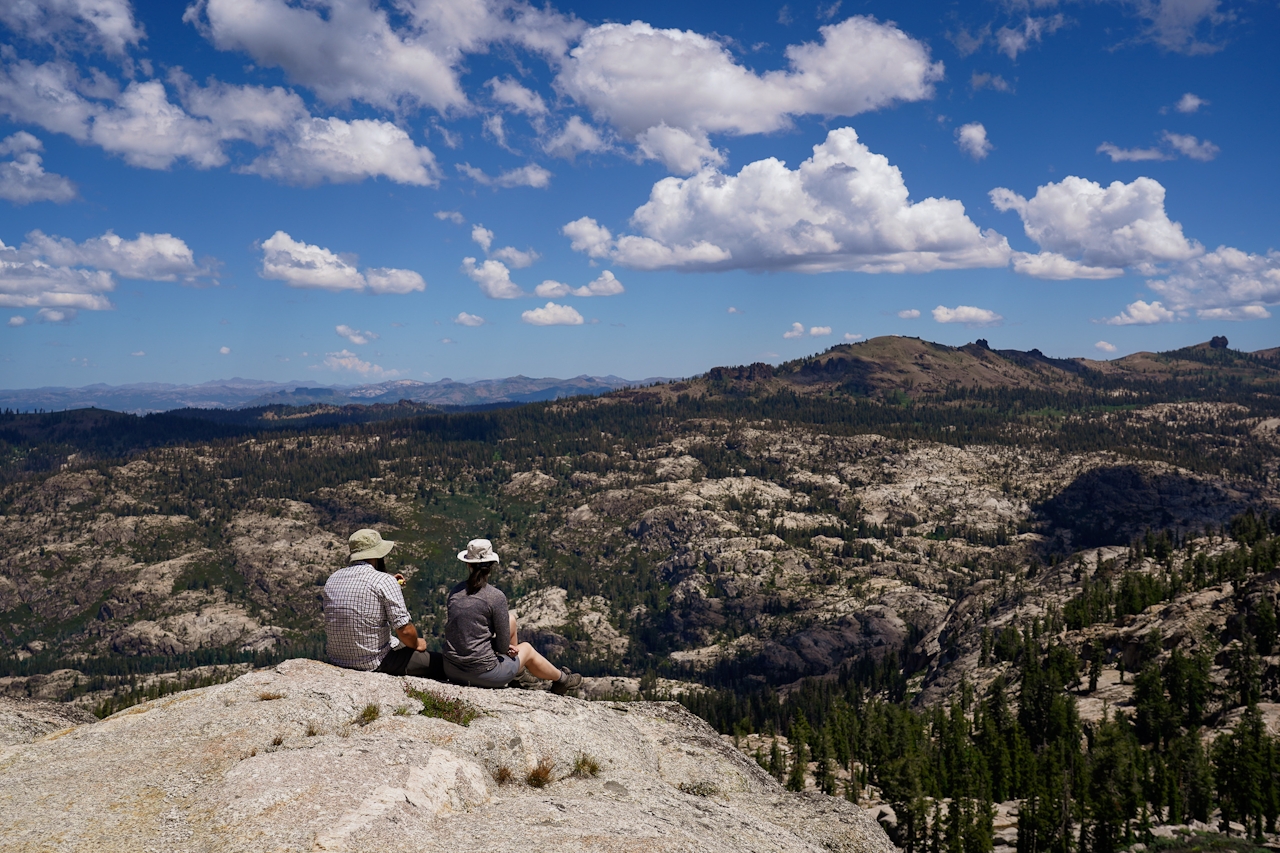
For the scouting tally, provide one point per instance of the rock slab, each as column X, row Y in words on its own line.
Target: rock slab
column 277, row 761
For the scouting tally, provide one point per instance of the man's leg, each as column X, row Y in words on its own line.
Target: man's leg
column 426, row 665
column 396, row 661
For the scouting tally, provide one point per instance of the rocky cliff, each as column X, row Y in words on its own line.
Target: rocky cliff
column 306, row 756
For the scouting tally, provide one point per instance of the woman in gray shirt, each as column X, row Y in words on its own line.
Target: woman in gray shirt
column 481, row 646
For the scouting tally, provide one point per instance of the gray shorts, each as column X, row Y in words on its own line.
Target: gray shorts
column 505, row 671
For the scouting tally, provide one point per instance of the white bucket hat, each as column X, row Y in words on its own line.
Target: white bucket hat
column 368, row 545
column 478, row 551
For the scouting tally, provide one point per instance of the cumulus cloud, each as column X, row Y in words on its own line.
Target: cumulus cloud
column 980, row 81
column 849, row 337
column 733, row 310
column 1142, row 314
column 493, row 277
column 1189, row 103
column 1014, row 40
column 331, row 149
column 576, row 137
column 348, row 50
column 604, row 285
column 465, row 319
column 966, row 314
column 909, row 313
column 1188, row 146
column 61, row 275
column 1094, row 232
column 304, row 265
column 23, row 179
column 346, row 360
column 819, row 331
column 552, row 314
column 106, row 25
column 512, row 94
column 513, row 257
column 56, row 315
column 637, row 77
column 1104, row 346
column 137, row 353
column 482, row 237
column 17, row 320
column 972, row 139
column 1225, row 284
column 354, row 335
column 844, row 208
column 453, row 216
column 531, row 175
column 224, row 350
column 679, row 150
column 1176, row 25
column 796, row 331
column 552, row 289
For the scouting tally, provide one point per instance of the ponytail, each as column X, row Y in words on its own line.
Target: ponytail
column 479, row 577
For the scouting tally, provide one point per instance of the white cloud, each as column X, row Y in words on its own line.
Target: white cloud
column 733, row 310
column 104, row 24
column 516, row 258
column 137, row 354
column 1055, row 267
column 551, row 289
column 1223, row 284
column 305, row 265
column 1142, row 314
column 1015, row 40
column 576, row 137
column 453, row 216
column 493, row 126
column 844, row 208
column 447, row 341
column 482, row 237
column 1188, row 146
column 1132, row 155
column 980, row 81
column 348, row 361
column 819, row 331
column 465, row 319
column 604, row 285
column 385, row 280
column 679, row 150
column 909, row 313
column 1174, row 24
column 1243, row 312
column 637, row 77
column 331, row 149
column 493, row 277
column 1189, row 103
column 224, row 350
column 1104, row 346
column 972, row 139
column 796, row 331
column 517, row 97
column 17, row 320
column 24, row 180
column 849, row 337
column 354, row 335
column 350, row 50
column 967, row 314
column 1100, row 229
column 55, row 315
column 531, row 175
column 552, row 314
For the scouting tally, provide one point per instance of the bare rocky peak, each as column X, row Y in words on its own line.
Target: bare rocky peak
column 277, row 760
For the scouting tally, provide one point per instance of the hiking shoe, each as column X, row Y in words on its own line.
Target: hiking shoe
column 570, row 681
column 526, row 680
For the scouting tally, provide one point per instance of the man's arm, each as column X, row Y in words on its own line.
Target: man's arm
column 409, row 636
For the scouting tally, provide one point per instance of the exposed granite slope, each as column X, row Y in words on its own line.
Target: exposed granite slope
column 274, row 761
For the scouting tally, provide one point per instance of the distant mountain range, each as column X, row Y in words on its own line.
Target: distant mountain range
column 237, row 393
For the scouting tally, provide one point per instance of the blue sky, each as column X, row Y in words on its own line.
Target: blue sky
column 345, row 191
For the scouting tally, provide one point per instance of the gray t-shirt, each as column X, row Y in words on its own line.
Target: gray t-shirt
column 478, row 629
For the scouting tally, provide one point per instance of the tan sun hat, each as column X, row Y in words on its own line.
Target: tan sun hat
column 368, row 545
column 478, row 551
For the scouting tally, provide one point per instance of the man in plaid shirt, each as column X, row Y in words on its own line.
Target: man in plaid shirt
column 363, row 605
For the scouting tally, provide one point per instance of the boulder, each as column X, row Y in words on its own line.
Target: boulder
column 290, row 758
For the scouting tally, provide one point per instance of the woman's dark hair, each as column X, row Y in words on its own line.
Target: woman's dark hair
column 479, row 576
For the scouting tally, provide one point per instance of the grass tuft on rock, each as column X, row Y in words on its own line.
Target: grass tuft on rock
column 699, row 789
column 267, row 696
column 585, row 766
column 370, row 713
column 540, row 776
column 503, row 775
column 442, row 707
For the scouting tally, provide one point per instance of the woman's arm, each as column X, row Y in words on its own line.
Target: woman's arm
column 500, row 624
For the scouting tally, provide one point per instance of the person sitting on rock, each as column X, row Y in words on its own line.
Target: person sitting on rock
column 481, row 646
column 363, row 605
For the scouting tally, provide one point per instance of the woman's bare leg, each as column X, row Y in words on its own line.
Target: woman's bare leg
column 515, row 639
column 531, row 660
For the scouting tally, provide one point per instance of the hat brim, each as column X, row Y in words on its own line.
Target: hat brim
column 493, row 558
column 375, row 552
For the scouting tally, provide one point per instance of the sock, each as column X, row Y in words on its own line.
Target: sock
column 563, row 675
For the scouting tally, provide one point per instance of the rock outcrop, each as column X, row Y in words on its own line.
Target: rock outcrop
column 293, row 758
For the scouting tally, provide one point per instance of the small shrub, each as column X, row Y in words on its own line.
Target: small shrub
column 267, row 696
column 503, row 775
column 277, row 740
column 370, row 713
column 699, row 789
column 450, row 710
column 540, row 776
column 401, row 711
column 584, row 766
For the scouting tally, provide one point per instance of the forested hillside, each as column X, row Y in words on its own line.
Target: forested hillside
column 999, row 598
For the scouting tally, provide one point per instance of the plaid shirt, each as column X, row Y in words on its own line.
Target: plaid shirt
column 361, row 607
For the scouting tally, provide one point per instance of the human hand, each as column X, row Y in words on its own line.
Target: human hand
column 422, row 645
column 513, row 651
column 399, row 578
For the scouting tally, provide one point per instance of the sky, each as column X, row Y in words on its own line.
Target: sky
column 354, row 191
